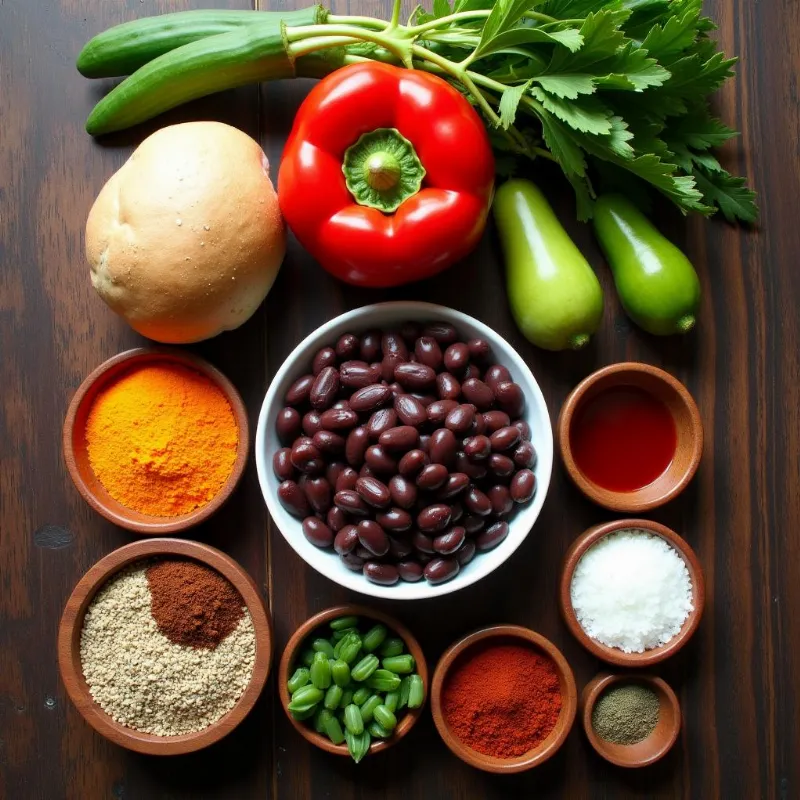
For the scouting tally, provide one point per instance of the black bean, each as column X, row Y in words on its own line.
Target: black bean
column 497, row 373
column 414, row 377
column 434, row 518
column 494, row 420
column 396, row 390
column 338, row 419
column 369, row 398
column 432, row 477
column 347, row 346
column 393, row 343
column 366, row 472
column 466, row 553
column 373, row 537
column 425, row 399
column 523, row 486
column 441, row 569
column 305, row 455
column 288, row 425
column 374, row 492
column 324, row 358
column 328, row 442
column 477, row 502
column 356, row 445
column 336, row 519
column 510, row 398
column 477, row 448
column 492, row 536
column 449, row 541
column 473, row 469
column 358, row 374
column 388, row 363
column 395, row 520
column 422, row 542
column 425, row 443
column 478, row 426
column 400, row 549
column 352, row 561
column 410, row 571
column 318, row 492
column 456, row 357
column 317, row 532
column 439, row 410
column 524, row 455
column 409, row 410
column 443, row 447
column 311, row 423
column 379, row 460
column 443, row 332
column 282, row 464
column 456, row 508
column 382, row 574
column 340, row 405
column 479, row 349
column 428, row 352
column 478, row 393
column 346, row 481
column 403, row 492
column 500, row 498
column 400, row 439
column 346, row 540
column 362, row 552
column 505, row 438
column 293, row 499
column 447, row 386
column 412, row 462
column 333, row 471
column 523, row 428
column 382, row 420
column 370, row 346
column 351, row 503
column 472, row 371
column 472, row 523
column 500, row 466
column 324, row 389
column 455, row 484
column 460, row 419
column 297, row 394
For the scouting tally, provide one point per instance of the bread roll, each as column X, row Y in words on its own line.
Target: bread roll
column 185, row 240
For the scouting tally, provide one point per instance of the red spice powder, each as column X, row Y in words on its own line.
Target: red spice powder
column 502, row 700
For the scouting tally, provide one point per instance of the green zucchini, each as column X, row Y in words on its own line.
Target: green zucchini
column 121, row 50
column 247, row 55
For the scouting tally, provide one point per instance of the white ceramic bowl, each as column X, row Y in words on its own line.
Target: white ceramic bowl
column 382, row 316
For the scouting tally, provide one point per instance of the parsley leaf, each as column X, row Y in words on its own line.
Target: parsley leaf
column 728, row 193
column 509, row 102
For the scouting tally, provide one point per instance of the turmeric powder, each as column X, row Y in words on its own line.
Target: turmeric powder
column 162, row 439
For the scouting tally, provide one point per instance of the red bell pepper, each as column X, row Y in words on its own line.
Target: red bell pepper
column 387, row 175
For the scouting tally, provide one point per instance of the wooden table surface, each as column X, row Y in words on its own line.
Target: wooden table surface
column 738, row 680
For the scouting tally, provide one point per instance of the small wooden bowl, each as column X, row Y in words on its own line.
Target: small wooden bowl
column 77, row 457
column 69, row 645
column 612, row 654
column 657, row 744
column 409, row 716
column 556, row 737
column 688, row 426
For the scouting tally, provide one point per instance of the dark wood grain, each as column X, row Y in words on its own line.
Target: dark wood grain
column 738, row 679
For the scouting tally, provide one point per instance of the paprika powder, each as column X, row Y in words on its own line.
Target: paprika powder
column 502, row 699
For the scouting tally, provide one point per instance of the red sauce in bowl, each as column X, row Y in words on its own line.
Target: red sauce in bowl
column 623, row 439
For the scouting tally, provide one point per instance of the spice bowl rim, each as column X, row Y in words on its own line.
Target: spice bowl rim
column 545, row 749
column 646, row 498
column 616, row 754
column 409, row 718
column 613, row 655
column 71, row 625
column 77, row 461
column 383, row 315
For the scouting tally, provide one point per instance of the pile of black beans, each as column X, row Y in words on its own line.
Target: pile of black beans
column 405, row 451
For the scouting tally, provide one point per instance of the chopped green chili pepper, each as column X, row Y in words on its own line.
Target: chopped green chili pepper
column 405, row 685
column 304, row 698
column 364, row 668
column 340, row 672
column 361, row 695
column 307, row 657
column 347, row 698
column 392, row 647
column 352, row 719
column 401, row 664
column 351, row 646
column 321, row 717
column 392, row 700
column 357, row 744
column 333, row 697
column 369, row 707
column 374, row 637
column 344, row 622
column 385, row 718
column 333, row 729
column 383, row 681
column 300, row 678
column 378, row 731
column 321, row 671
column 303, row 715
column 416, row 692
column 337, row 636
column 322, row 646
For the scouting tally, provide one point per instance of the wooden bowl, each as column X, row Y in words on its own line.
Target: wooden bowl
column 612, row 654
column 556, row 737
column 688, row 427
column 657, row 744
column 77, row 457
column 69, row 637
column 409, row 716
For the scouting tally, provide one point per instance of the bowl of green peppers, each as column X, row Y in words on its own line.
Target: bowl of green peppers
column 353, row 681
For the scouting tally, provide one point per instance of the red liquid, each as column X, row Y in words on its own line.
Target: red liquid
column 623, row 439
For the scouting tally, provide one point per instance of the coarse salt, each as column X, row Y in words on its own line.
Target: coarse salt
column 631, row 591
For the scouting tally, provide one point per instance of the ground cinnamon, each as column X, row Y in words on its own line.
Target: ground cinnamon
column 502, row 700
column 192, row 604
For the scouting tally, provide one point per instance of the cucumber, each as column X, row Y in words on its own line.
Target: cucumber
column 124, row 48
column 555, row 297
column 657, row 285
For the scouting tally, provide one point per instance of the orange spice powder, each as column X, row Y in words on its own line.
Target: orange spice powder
column 162, row 439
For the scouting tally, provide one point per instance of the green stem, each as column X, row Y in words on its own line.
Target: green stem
column 366, row 22
column 416, row 30
column 395, row 20
column 299, row 40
